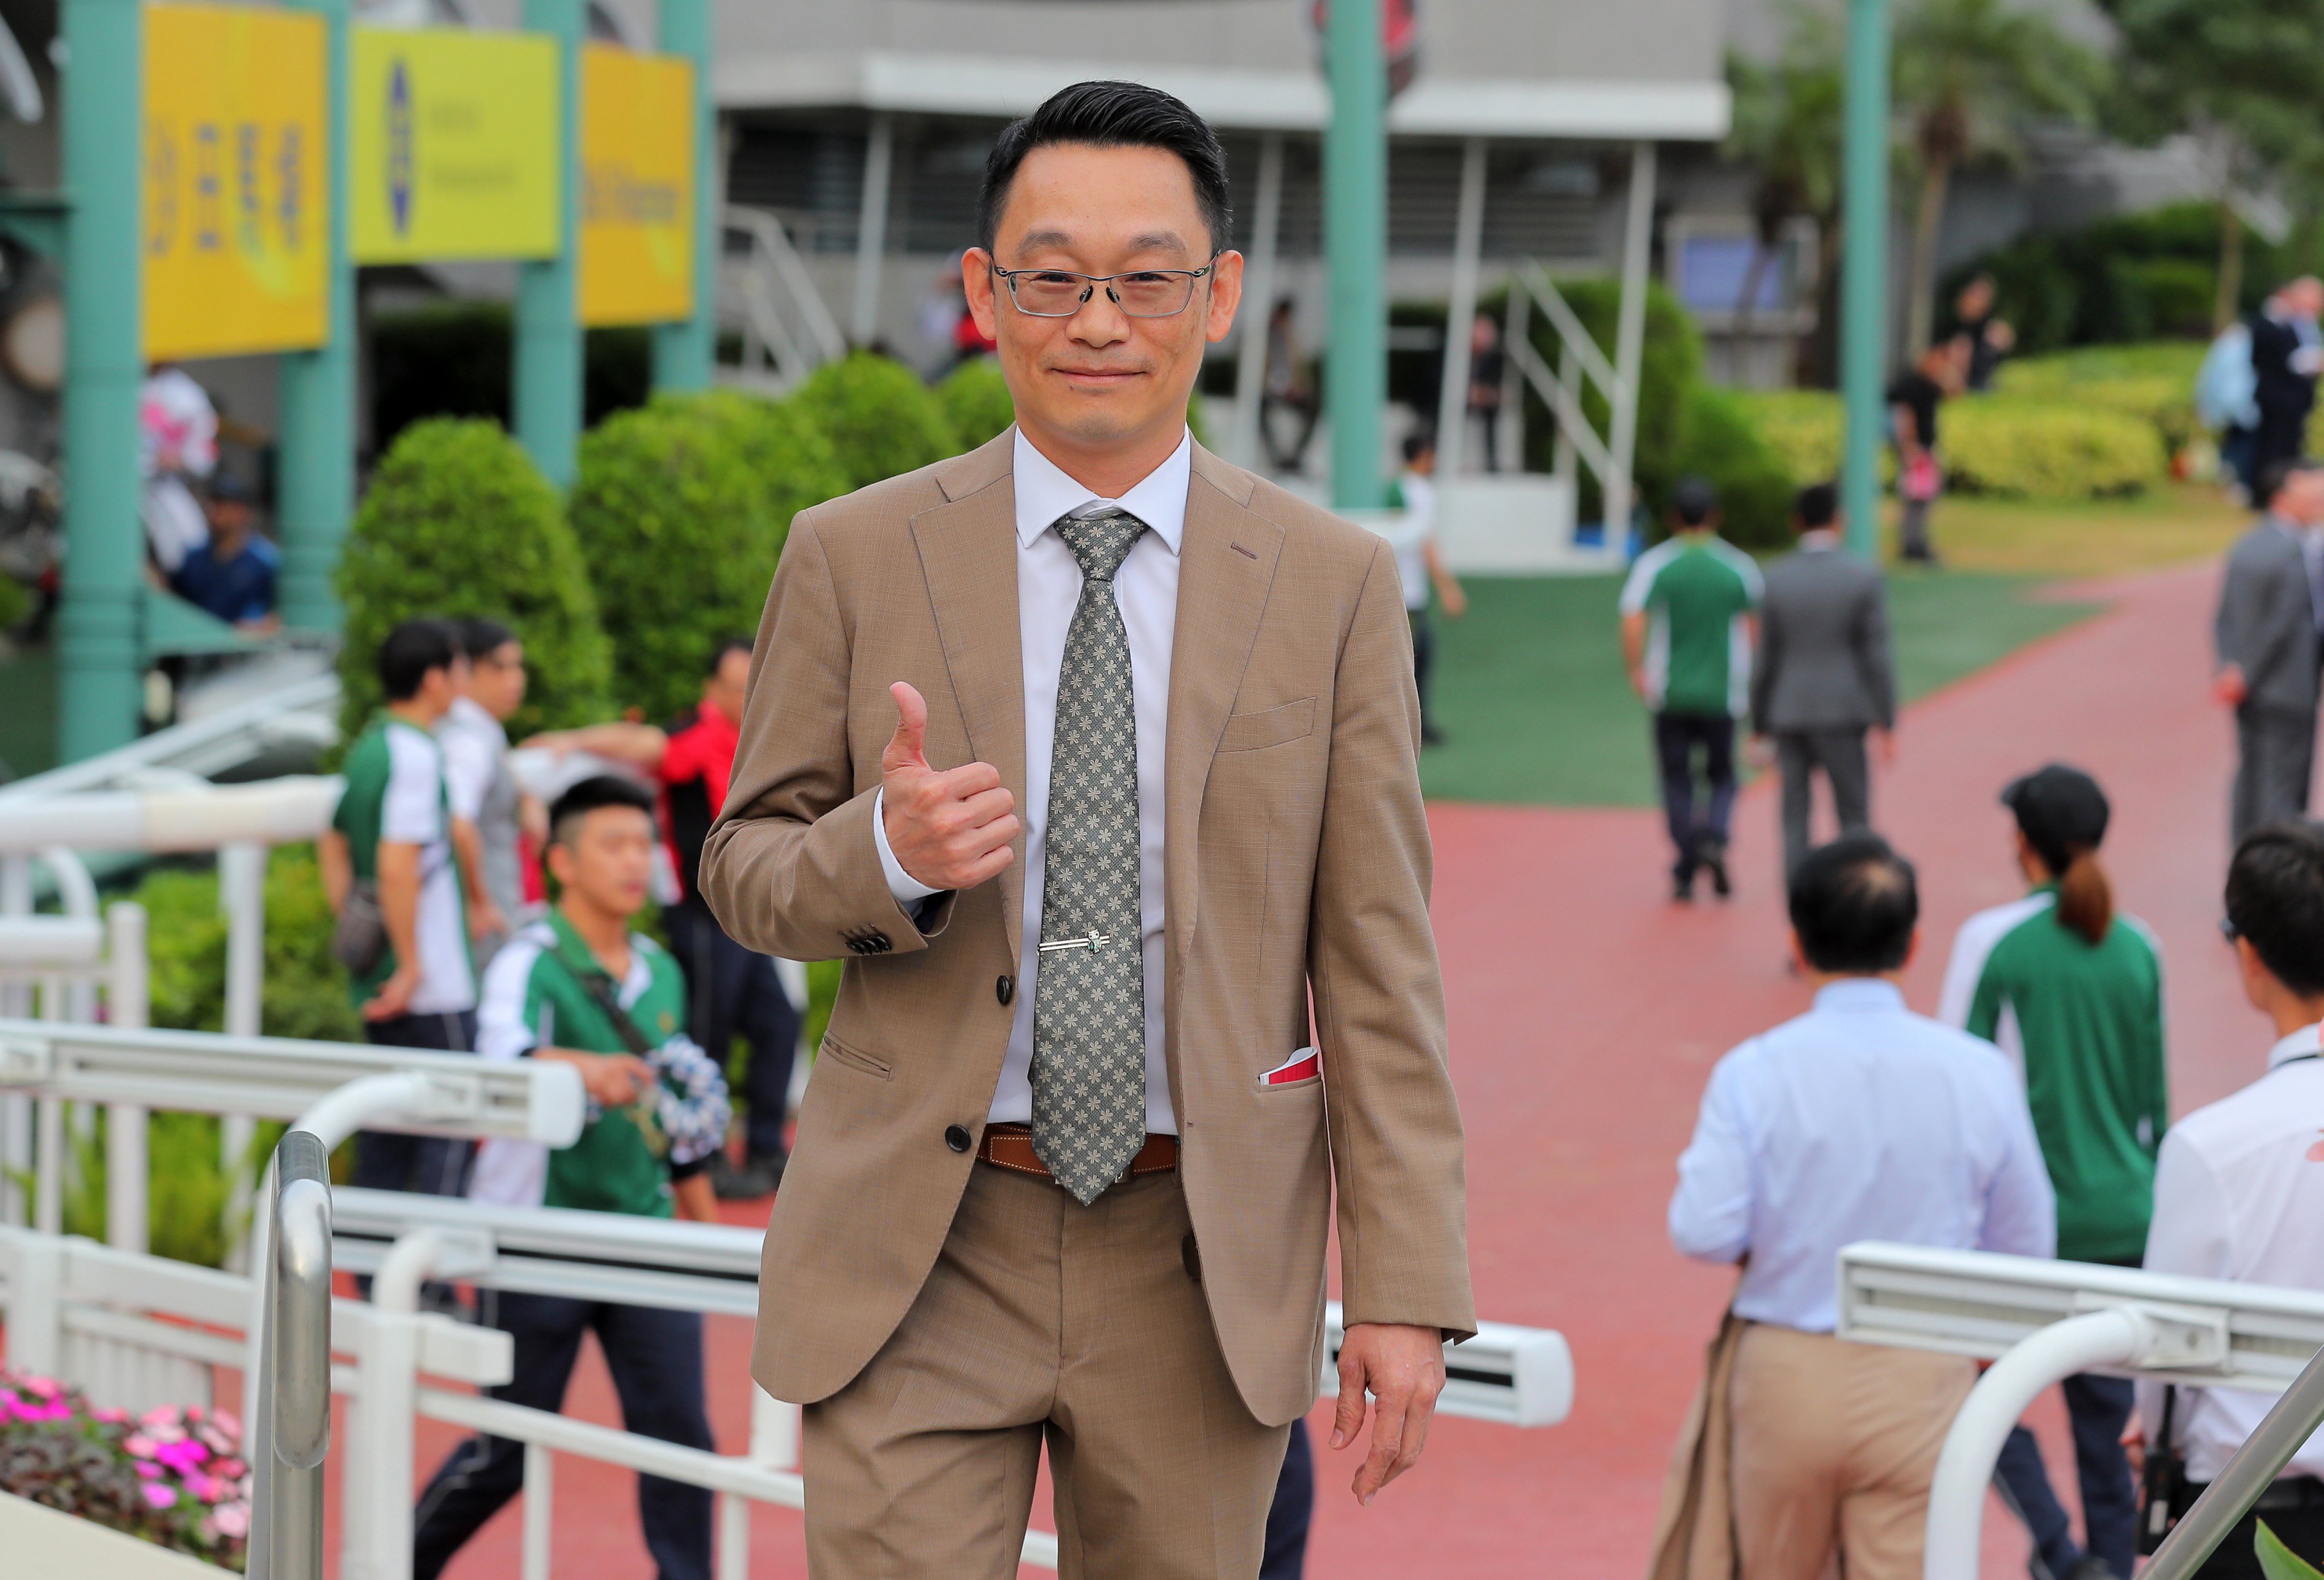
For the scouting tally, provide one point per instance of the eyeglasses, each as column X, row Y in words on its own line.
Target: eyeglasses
column 1060, row 294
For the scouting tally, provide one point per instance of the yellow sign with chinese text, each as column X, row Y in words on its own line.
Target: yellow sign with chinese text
column 236, row 242
column 452, row 145
column 637, row 187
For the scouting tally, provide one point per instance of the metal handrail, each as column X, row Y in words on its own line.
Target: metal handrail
column 294, row 1420
column 2292, row 1419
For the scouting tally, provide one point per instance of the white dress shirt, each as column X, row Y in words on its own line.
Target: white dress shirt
column 2238, row 1195
column 1859, row 1121
column 1048, row 585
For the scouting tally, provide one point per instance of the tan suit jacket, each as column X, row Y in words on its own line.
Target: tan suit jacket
column 1297, row 859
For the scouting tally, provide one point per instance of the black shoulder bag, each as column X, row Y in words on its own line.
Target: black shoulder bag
column 2165, row 1481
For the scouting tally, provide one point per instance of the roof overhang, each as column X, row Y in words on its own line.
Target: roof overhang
column 1230, row 100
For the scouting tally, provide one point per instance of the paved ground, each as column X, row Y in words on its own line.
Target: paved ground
column 1586, row 1012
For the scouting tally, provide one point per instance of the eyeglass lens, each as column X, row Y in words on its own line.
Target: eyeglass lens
column 1056, row 294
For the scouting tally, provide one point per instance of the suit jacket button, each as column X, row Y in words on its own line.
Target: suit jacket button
column 956, row 1137
column 877, row 944
column 1005, row 989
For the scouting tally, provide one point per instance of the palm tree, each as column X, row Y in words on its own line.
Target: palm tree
column 1969, row 75
column 1786, row 125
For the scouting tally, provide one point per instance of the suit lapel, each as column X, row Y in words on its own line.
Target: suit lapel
column 968, row 552
column 1226, row 564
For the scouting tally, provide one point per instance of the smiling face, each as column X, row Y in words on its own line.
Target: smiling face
column 1101, row 390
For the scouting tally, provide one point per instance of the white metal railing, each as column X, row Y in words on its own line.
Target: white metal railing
column 294, row 1369
column 2040, row 1322
column 54, row 968
column 788, row 330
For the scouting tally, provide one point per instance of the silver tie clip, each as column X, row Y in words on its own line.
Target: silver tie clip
column 1094, row 941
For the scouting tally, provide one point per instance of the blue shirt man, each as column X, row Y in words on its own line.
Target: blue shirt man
column 232, row 575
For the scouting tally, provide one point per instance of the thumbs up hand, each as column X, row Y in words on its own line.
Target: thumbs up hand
column 950, row 829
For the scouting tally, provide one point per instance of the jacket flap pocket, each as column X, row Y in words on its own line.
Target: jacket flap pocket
column 1250, row 732
column 838, row 1052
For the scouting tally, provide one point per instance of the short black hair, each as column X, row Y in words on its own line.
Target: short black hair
column 478, row 636
column 1815, row 506
column 1854, row 904
column 2275, row 898
column 1113, row 114
column 732, row 644
column 2276, row 473
column 409, row 651
column 1693, row 501
column 1419, row 442
column 593, row 794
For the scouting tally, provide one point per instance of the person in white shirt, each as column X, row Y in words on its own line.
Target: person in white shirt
column 486, row 805
column 177, row 445
column 1858, row 1121
column 1420, row 567
column 2239, row 1188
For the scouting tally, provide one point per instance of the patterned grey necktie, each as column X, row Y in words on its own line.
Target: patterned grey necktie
column 1089, row 1002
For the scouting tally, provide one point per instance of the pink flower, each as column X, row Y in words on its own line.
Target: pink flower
column 138, row 1446
column 226, row 1421
column 161, row 1419
column 160, row 1494
column 233, row 1520
column 231, row 1468
column 182, row 1456
column 110, row 1418
column 42, row 1387
column 146, row 1468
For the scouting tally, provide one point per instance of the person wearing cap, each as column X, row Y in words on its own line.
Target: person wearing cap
column 232, row 575
column 2071, row 989
column 1689, row 624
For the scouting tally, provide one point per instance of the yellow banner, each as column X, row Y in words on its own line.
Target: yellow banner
column 637, row 187
column 237, row 243
column 452, row 145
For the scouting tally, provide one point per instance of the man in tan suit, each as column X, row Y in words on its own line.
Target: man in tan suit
column 1064, row 1171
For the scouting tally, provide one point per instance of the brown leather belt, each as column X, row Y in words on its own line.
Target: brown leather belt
column 1010, row 1146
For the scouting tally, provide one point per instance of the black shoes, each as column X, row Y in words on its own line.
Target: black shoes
column 1712, row 855
column 1683, row 886
column 759, row 1176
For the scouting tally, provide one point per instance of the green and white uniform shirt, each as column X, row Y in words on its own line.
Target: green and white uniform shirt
column 534, row 997
column 2084, row 1024
column 395, row 791
column 1696, row 593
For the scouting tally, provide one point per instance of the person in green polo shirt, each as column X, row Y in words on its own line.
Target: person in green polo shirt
column 2072, row 990
column 1688, row 628
column 579, row 986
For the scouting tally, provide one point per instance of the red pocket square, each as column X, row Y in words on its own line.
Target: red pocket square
column 1304, row 1065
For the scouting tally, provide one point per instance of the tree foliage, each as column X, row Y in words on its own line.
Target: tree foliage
column 457, row 522
column 880, row 420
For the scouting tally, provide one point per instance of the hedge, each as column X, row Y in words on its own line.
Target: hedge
column 680, row 509
column 880, row 420
column 975, row 401
column 457, row 522
column 1722, row 444
column 1670, row 370
column 2154, row 381
column 1998, row 444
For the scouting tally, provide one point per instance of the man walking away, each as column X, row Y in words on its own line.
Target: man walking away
column 1913, row 401
column 2239, row 1191
column 1859, row 1121
column 2266, row 637
column 2071, row 989
column 1420, row 567
column 389, row 850
column 1687, row 634
column 2287, row 352
column 581, row 988
column 486, row 804
column 1824, row 673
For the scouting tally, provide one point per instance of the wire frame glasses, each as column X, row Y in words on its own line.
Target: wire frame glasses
column 1060, row 294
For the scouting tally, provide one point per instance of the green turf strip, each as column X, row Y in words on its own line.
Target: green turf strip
column 1530, row 694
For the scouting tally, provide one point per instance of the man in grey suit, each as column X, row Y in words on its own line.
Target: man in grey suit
column 2270, row 610
column 1824, row 675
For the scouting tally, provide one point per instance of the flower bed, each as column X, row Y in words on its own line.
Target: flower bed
column 173, row 1476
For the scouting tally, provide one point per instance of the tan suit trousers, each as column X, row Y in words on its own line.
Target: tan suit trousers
column 1044, row 1320
column 1835, row 1444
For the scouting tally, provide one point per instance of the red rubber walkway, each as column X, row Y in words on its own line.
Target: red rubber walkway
column 1586, row 1012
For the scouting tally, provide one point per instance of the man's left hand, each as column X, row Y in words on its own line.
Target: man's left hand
column 1403, row 1369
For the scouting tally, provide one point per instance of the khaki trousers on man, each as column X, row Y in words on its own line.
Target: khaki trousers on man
column 1044, row 1320
column 1835, row 1445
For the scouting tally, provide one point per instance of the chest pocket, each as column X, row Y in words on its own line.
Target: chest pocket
column 1254, row 732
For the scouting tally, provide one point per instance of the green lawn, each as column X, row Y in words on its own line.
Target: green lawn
column 1531, row 695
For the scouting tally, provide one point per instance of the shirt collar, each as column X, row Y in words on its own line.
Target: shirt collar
column 2302, row 1044
column 1819, row 541
column 469, row 714
column 1043, row 494
column 1857, row 995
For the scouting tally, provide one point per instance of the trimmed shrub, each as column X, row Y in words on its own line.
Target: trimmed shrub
column 975, row 401
column 2154, row 381
column 880, row 420
column 457, row 522
column 1723, row 446
column 680, row 509
column 2029, row 450
column 1803, row 428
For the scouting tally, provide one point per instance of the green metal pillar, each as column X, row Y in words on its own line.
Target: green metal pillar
column 548, row 362
column 315, row 494
column 1864, row 271
column 1355, row 250
column 684, row 351
column 98, row 696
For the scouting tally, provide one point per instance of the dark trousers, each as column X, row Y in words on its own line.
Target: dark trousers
column 1288, row 1516
column 1840, row 753
column 1423, row 661
column 1913, row 529
column 424, row 1165
column 2099, row 1407
column 2275, row 759
column 656, row 1359
column 2282, row 433
column 1677, row 736
column 2238, row 445
column 2298, row 1527
column 735, row 990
